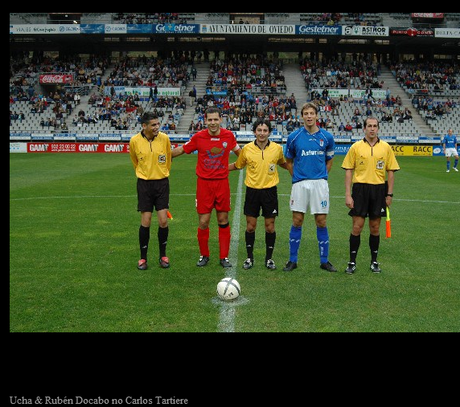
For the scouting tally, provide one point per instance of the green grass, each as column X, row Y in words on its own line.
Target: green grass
column 74, row 250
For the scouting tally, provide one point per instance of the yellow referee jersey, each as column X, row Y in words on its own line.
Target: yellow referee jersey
column 370, row 163
column 151, row 159
column 261, row 171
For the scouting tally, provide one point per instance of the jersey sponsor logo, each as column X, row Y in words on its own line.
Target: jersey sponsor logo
column 215, row 152
column 213, row 160
column 311, row 152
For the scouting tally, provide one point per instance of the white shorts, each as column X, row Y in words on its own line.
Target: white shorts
column 310, row 193
column 451, row 152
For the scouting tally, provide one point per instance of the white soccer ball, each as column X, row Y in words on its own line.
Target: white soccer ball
column 228, row 289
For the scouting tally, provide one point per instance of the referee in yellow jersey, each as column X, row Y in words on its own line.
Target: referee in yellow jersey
column 261, row 158
column 150, row 152
column 367, row 193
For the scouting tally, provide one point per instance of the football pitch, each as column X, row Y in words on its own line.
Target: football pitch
column 74, row 251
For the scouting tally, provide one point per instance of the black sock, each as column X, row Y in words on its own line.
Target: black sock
column 250, row 238
column 354, row 246
column 144, row 237
column 163, row 240
column 374, row 242
column 269, row 245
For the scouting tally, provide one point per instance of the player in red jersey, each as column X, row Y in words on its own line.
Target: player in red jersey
column 213, row 145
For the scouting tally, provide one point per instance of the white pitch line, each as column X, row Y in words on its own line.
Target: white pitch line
column 227, row 310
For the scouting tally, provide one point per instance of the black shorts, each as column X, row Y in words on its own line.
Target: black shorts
column 369, row 200
column 152, row 194
column 265, row 199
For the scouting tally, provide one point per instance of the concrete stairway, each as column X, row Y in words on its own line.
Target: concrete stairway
column 200, row 85
column 295, row 83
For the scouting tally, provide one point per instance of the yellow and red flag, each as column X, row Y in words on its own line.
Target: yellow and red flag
column 388, row 223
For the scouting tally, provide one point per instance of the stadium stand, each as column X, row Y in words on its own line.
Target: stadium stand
column 245, row 86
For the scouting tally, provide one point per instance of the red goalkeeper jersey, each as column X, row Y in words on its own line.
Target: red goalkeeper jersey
column 213, row 152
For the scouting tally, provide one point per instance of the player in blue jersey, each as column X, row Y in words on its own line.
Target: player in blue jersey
column 449, row 145
column 309, row 155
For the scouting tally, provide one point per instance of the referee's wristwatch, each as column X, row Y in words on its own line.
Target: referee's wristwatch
column 390, row 195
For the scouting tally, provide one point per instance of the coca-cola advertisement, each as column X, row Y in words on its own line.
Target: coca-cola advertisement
column 52, row 79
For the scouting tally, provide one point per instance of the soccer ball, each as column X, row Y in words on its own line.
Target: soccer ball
column 228, row 289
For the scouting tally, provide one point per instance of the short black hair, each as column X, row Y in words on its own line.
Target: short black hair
column 147, row 116
column 260, row 121
column 213, row 109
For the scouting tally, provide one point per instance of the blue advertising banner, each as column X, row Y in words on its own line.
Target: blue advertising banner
column 139, row 28
column 92, row 28
column 318, row 29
